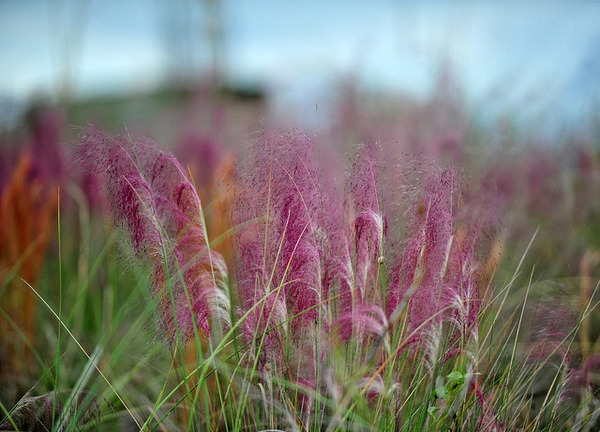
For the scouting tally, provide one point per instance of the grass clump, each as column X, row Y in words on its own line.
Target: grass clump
column 358, row 299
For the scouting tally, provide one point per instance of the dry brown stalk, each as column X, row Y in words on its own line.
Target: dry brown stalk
column 27, row 211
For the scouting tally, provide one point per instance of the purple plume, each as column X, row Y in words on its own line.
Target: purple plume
column 419, row 278
column 153, row 200
column 356, row 237
column 365, row 320
column 439, row 275
column 280, row 240
column 369, row 231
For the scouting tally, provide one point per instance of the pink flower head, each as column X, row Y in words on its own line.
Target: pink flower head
column 422, row 269
column 201, row 154
column 46, row 129
column 365, row 320
column 360, row 237
column 280, row 240
column 369, row 231
column 152, row 199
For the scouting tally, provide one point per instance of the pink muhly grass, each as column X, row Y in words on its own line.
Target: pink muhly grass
column 46, row 125
column 369, row 231
column 462, row 283
column 586, row 376
column 202, row 154
column 544, row 186
column 338, row 278
column 338, row 273
column 439, row 275
column 419, row 278
column 377, row 388
column 153, row 200
column 356, row 237
column 363, row 184
column 43, row 142
column 365, row 319
column 279, row 263
column 502, row 179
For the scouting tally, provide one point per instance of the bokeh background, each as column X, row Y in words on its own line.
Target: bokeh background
column 535, row 62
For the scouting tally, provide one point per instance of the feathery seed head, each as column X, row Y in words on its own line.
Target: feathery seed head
column 280, row 204
column 152, row 199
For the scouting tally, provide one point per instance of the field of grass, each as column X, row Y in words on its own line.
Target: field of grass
column 404, row 269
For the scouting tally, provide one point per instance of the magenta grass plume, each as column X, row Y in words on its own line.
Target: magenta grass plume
column 356, row 229
column 423, row 264
column 279, row 243
column 153, row 200
column 438, row 273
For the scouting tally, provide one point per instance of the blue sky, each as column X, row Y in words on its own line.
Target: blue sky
column 543, row 53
